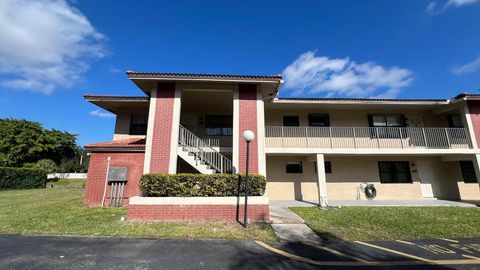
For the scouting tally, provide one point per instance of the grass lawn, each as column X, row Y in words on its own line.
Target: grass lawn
column 375, row 223
column 77, row 183
column 59, row 211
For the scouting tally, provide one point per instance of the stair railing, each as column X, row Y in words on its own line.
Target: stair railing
column 203, row 152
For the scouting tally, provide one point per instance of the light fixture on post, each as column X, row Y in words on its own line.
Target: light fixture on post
column 248, row 136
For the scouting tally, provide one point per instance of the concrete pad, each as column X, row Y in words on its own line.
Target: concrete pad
column 296, row 233
column 389, row 203
column 283, row 215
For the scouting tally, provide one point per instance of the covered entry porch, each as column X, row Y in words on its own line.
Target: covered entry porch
column 337, row 179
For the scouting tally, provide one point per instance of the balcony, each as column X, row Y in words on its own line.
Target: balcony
column 367, row 137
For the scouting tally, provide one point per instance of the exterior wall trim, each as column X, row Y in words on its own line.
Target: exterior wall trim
column 262, row 167
column 172, row 168
column 137, row 200
column 150, row 129
column 236, row 129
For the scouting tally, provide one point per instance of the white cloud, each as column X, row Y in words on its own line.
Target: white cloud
column 102, row 114
column 467, row 68
column 313, row 74
column 433, row 8
column 114, row 70
column 45, row 44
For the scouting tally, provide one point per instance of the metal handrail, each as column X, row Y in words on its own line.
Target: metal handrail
column 368, row 137
column 203, row 152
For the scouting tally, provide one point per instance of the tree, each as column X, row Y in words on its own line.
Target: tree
column 23, row 141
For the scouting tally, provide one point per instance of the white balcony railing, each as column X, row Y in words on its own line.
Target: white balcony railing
column 367, row 137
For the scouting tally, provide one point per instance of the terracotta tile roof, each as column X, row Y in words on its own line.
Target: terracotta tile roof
column 359, row 99
column 134, row 74
column 131, row 144
column 112, row 97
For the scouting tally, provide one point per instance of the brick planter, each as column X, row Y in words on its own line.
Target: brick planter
column 197, row 208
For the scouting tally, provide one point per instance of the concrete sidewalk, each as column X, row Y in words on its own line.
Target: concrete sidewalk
column 424, row 202
column 289, row 227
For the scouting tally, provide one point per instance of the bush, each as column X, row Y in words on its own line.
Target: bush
column 200, row 185
column 21, row 178
column 48, row 165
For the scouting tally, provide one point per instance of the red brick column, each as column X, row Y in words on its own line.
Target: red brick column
column 247, row 95
column 474, row 110
column 162, row 128
column 97, row 170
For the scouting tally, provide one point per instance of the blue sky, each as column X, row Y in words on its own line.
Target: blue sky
column 54, row 51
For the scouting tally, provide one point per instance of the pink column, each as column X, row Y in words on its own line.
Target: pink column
column 162, row 128
column 248, row 120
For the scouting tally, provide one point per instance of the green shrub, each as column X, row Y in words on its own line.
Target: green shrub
column 200, row 185
column 48, row 165
column 21, row 178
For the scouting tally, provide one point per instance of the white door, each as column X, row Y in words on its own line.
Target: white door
column 427, row 178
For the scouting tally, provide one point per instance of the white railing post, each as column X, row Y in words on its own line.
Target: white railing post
column 401, row 137
column 378, row 137
column 331, row 139
column 283, row 137
column 354, row 138
column 448, row 138
column 306, row 136
column 424, row 137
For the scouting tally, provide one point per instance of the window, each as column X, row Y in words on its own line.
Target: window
column 294, row 167
column 218, row 125
column 328, row 167
column 318, row 120
column 468, row 172
column 291, row 121
column 455, row 121
column 381, row 120
column 383, row 125
column 394, row 172
column 138, row 124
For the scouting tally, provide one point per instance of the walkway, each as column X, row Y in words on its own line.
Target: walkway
column 425, row 202
column 289, row 227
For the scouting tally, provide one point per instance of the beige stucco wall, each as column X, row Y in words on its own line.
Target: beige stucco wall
column 348, row 172
column 353, row 118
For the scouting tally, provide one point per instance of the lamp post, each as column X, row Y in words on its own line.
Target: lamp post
column 248, row 136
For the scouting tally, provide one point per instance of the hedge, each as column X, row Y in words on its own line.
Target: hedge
column 200, row 185
column 22, row 178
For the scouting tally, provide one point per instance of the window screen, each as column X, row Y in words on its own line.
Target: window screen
column 294, row 167
column 394, row 172
column 138, row 124
column 318, row 120
column 291, row 121
column 218, row 125
column 455, row 121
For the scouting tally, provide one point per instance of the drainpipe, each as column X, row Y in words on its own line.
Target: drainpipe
column 106, row 182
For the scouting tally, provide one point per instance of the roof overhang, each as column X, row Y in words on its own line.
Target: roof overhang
column 352, row 103
column 116, row 103
column 148, row 81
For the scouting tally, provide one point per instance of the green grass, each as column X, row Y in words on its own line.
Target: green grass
column 382, row 223
column 80, row 183
column 59, row 211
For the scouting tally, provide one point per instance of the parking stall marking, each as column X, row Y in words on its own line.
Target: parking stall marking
column 336, row 252
column 416, row 260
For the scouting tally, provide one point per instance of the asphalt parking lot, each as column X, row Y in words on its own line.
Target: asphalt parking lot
column 45, row 252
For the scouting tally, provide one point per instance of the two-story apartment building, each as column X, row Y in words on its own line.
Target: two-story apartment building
column 308, row 148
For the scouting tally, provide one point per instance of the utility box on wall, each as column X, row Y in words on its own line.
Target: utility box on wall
column 117, row 178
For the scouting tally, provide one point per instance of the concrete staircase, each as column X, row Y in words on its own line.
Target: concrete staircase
column 190, row 158
column 200, row 155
